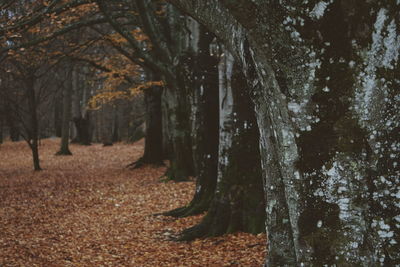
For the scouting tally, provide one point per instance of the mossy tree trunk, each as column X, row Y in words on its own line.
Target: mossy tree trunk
column 324, row 78
column 205, row 122
column 238, row 203
column 178, row 110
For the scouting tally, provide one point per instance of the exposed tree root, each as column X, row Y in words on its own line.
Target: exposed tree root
column 143, row 162
column 63, row 153
column 196, row 206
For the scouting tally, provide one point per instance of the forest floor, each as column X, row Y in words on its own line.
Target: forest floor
column 89, row 210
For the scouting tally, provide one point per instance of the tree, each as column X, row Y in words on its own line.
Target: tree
column 153, row 152
column 315, row 87
column 149, row 44
column 66, row 114
column 205, row 119
column 238, row 203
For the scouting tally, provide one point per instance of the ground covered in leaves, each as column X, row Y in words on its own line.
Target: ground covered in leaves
column 88, row 210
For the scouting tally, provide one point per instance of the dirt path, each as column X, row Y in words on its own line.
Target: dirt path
column 87, row 210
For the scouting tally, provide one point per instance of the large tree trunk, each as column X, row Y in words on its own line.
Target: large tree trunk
column 153, row 150
column 178, row 111
column 205, row 123
column 177, row 103
column 324, row 77
column 238, row 204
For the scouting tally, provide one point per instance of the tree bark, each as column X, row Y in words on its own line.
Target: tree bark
column 66, row 115
column 106, row 125
column 33, row 131
column 153, row 149
column 238, row 204
column 205, row 124
column 181, row 161
column 82, row 125
column 58, row 117
column 323, row 78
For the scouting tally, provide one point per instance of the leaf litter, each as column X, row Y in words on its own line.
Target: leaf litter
column 88, row 210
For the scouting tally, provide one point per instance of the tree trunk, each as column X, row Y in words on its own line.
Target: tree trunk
column 205, row 124
column 181, row 161
column 82, row 126
column 153, row 149
column 166, row 138
column 115, row 130
column 12, row 123
column 76, row 99
column 34, row 125
column 66, row 115
column 106, row 125
column 324, row 78
column 58, row 117
column 238, row 204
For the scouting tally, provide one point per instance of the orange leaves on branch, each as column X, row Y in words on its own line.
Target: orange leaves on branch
column 96, row 101
column 137, row 33
column 144, row 86
column 107, row 96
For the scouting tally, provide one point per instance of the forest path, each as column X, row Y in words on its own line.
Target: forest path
column 88, row 210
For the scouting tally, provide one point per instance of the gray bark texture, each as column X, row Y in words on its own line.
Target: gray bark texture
column 204, row 118
column 325, row 80
column 238, row 202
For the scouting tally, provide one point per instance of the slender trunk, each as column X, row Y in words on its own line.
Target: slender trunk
column 115, row 131
column 66, row 116
column 58, row 118
column 76, row 99
column 106, row 125
column 34, row 124
column 166, row 137
column 238, row 204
